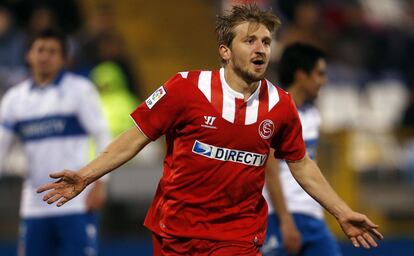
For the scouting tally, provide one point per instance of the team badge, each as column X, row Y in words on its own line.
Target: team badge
column 266, row 129
column 155, row 97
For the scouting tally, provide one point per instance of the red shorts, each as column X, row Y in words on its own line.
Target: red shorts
column 163, row 246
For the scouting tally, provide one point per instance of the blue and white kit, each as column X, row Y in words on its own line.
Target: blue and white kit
column 54, row 123
column 307, row 213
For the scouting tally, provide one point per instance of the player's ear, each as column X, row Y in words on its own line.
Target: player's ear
column 225, row 52
column 28, row 57
column 300, row 75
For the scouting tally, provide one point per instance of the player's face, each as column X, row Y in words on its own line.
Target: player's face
column 315, row 79
column 45, row 57
column 250, row 51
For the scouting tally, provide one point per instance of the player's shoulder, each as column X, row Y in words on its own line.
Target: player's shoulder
column 282, row 95
column 17, row 91
column 73, row 80
column 77, row 85
column 178, row 86
column 310, row 110
column 181, row 80
column 186, row 76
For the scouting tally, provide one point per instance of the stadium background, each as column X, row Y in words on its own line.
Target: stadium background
column 366, row 149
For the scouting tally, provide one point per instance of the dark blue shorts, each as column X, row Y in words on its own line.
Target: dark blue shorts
column 67, row 235
column 316, row 237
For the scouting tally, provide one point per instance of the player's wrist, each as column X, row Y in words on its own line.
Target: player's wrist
column 85, row 177
column 341, row 212
column 285, row 217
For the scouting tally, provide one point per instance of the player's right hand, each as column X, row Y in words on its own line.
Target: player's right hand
column 68, row 185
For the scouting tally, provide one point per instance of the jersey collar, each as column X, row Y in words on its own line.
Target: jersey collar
column 56, row 82
column 230, row 91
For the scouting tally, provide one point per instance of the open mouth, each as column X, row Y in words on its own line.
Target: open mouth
column 258, row 62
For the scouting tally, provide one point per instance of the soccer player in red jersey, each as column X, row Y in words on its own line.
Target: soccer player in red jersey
column 219, row 127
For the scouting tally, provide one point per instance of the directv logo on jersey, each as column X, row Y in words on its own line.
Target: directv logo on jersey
column 226, row 154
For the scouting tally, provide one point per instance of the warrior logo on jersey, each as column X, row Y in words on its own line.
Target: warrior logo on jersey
column 226, row 154
column 266, row 129
column 209, row 122
column 155, row 97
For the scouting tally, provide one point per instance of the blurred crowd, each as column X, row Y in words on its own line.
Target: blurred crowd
column 96, row 50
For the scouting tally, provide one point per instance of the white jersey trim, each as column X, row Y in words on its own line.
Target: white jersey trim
column 139, row 128
column 273, row 95
column 204, row 84
column 252, row 109
column 184, row 74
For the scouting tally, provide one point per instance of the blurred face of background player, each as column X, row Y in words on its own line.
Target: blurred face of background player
column 248, row 54
column 45, row 58
column 311, row 82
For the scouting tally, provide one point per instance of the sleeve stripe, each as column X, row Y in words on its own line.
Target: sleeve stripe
column 139, row 128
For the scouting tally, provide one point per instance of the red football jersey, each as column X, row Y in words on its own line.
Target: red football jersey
column 217, row 147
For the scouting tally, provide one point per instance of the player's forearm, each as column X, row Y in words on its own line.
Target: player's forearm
column 118, row 152
column 309, row 176
column 274, row 188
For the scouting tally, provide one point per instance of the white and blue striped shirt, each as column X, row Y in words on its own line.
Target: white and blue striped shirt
column 297, row 200
column 54, row 123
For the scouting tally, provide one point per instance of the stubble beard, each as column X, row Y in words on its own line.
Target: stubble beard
column 247, row 75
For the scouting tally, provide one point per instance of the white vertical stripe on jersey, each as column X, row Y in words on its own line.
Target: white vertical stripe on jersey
column 204, row 83
column 273, row 94
column 229, row 107
column 252, row 108
column 184, row 74
column 229, row 99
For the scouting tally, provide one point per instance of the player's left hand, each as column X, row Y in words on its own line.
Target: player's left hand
column 360, row 230
column 292, row 240
column 96, row 197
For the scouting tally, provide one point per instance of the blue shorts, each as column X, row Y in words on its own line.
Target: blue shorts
column 67, row 235
column 316, row 237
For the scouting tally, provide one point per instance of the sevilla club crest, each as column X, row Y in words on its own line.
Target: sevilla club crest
column 266, row 129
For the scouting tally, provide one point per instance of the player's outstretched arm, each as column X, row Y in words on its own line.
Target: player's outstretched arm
column 359, row 229
column 70, row 183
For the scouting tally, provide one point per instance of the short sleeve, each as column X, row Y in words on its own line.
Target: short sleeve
column 289, row 144
column 6, row 127
column 162, row 110
column 6, row 112
column 91, row 114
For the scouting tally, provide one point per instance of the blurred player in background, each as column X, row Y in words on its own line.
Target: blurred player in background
column 295, row 225
column 53, row 113
column 219, row 127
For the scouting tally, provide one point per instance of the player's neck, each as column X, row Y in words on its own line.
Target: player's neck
column 238, row 84
column 298, row 95
column 43, row 79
